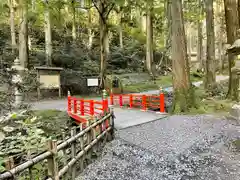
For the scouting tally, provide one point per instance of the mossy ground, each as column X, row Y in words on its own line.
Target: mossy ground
column 53, row 122
column 163, row 81
column 206, row 104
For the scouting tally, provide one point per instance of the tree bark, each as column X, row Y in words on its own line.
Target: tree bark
column 48, row 34
column 149, row 39
column 74, row 30
column 231, row 18
column 23, row 33
column 210, row 59
column 103, row 41
column 120, row 30
column 238, row 7
column 168, row 25
column 200, row 37
column 90, row 32
column 12, row 25
column 183, row 98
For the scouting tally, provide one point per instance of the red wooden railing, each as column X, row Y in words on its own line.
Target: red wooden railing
column 82, row 110
column 139, row 100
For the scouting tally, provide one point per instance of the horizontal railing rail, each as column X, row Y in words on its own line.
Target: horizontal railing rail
column 85, row 146
column 139, row 100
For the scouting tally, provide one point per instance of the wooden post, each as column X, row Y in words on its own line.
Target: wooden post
column 144, row 103
column 52, row 163
column 89, row 139
column 130, row 101
column 111, row 99
column 75, row 105
column 94, row 135
column 161, row 97
column 9, row 163
column 111, row 124
column 82, row 107
column 120, row 100
column 91, row 108
column 81, row 139
column 73, row 153
column 69, row 102
column 65, row 154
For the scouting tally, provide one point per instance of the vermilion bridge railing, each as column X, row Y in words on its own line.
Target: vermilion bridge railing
column 81, row 110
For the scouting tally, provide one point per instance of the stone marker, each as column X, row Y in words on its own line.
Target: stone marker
column 235, row 112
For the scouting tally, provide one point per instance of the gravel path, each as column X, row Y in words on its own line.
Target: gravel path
column 174, row 148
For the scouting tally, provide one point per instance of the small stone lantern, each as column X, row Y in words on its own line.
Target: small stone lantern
column 17, row 79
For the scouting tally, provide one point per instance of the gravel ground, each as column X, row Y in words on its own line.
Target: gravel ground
column 176, row 148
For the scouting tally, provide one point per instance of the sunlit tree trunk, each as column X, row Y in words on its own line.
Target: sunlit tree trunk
column 183, row 97
column 120, row 30
column 149, row 38
column 232, row 20
column 90, row 32
column 103, row 40
column 48, row 34
column 210, row 59
column 12, row 25
column 200, row 36
column 168, row 25
column 23, row 33
column 74, row 30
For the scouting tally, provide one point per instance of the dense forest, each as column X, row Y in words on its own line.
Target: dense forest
column 178, row 39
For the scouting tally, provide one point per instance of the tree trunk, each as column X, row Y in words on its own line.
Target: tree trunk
column 210, row 59
column 183, row 93
column 238, row 7
column 23, row 33
column 48, row 34
column 231, row 18
column 74, row 31
column 90, row 32
column 12, row 26
column 33, row 3
column 167, row 8
column 221, row 40
column 189, row 42
column 103, row 43
column 149, row 39
column 200, row 37
column 120, row 30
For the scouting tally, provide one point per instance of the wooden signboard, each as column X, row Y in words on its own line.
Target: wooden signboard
column 49, row 78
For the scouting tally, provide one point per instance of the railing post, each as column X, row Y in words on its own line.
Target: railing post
column 130, row 101
column 69, row 102
column 91, row 107
column 106, row 105
column 75, row 105
column 73, row 153
column 120, row 100
column 144, row 102
column 81, row 140
column 161, row 97
column 111, row 122
column 9, row 163
column 82, row 107
column 52, row 163
column 111, row 99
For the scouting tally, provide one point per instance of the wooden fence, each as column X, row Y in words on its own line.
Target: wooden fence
column 89, row 140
